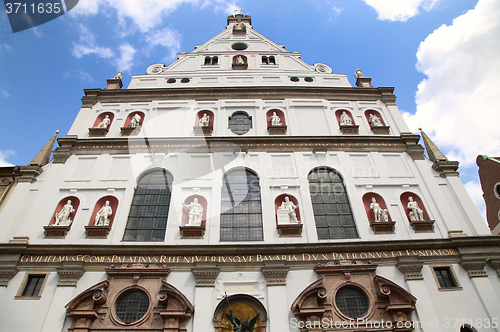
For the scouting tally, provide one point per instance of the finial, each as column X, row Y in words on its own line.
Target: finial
column 239, row 10
column 57, row 131
column 420, row 128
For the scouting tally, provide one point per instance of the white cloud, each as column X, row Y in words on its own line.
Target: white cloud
column 145, row 14
column 457, row 104
column 87, row 45
column 400, row 10
column 125, row 62
column 81, row 75
column 476, row 193
column 4, row 93
column 4, row 154
column 167, row 38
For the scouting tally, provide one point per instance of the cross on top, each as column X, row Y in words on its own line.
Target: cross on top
column 239, row 10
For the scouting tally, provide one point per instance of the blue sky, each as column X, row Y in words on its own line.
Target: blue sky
column 442, row 56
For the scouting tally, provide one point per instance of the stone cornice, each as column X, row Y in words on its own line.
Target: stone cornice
column 93, row 96
column 275, row 275
column 474, row 266
column 69, row 274
column 205, row 276
column 411, row 268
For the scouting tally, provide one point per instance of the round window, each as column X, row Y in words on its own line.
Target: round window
column 308, row 79
column 294, row 79
column 131, row 306
column 239, row 46
column 497, row 190
column 352, row 302
column 171, row 80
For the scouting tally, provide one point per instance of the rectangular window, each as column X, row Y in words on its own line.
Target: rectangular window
column 445, row 278
column 32, row 286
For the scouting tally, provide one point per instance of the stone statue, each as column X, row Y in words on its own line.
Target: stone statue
column 105, row 122
column 62, row 218
column 205, row 120
column 239, row 26
column 345, row 120
column 195, row 213
column 358, row 73
column 375, row 120
column 119, row 75
column 275, row 120
column 135, row 121
column 239, row 60
column 246, row 326
column 286, row 212
column 381, row 215
column 416, row 213
column 102, row 216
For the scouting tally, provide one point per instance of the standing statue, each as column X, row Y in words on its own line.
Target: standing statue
column 102, row 216
column 287, row 208
column 345, row 120
column 119, row 75
column 105, row 122
column 239, row 60
column 195, row 213
column 205, row 120
column 246, row 326
column 358, row 73
column 375, row 120
column 239, row 26
column 416, row 213
column 377, row 210
column 135, row 121
column 62, row 218
column 275, row 120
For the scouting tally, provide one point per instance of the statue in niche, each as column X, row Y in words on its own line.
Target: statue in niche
column 246, row 326
column 119, row 76
column 135, row 121
column 195, row 213
column 358, row 73
column 286, row 212
column 381, row 215
column 102, row 216
column 416, row 213
column 105, row 122
column 375, row 121
column 205, row 120
column 62, row 218
column 239, row 26
column 275, row 120
column 345, row 120
column 239, row 60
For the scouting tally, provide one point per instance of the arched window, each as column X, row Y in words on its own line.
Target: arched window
column 148, row 215
column 240, row 123
column 211, row 60
column 241, row 212
column 332, row 211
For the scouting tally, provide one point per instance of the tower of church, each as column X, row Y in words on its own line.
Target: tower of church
column 242, row 189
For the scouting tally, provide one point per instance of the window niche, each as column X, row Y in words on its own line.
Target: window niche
column 245, row 308
column 446, row 278
column 268, row 60
column 240, row 123
column 376, row 122
column 134, row 297
column 101, row 125
column 211, row 60
column 102, row 217
column 378, row 214
column 346, row 122
column 276, row 124
column 204, row 123
column 240, row 62
column 62, row 218
column 416, row 213
column 288, row 220
column 133, row 124
column 32, row 286
column 194, row 217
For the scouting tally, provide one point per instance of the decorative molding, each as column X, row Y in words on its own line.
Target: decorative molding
column 383, row 227
column 69, row 275
column 354, row 129
column 192, row 232
column 475, row 267
column 290, row 230
column 100, row 232
column 114, row 84
column 203, row 130
column 130, row 131
column 446, row 168
column 205, row 276
column 380, row 130
column 275, row 275
column 411, row 270
column 57, row 232
column 98, row 132
column 495, row 263
column 277, row 130
column 364, row 82
column 423, row 226
column 7, row 273
column 28, row 173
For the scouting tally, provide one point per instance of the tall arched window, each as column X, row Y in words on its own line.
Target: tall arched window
column 241, row 212
column 147, row 219
column 332, row 211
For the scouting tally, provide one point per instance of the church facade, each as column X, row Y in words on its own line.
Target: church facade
column 242, row 189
